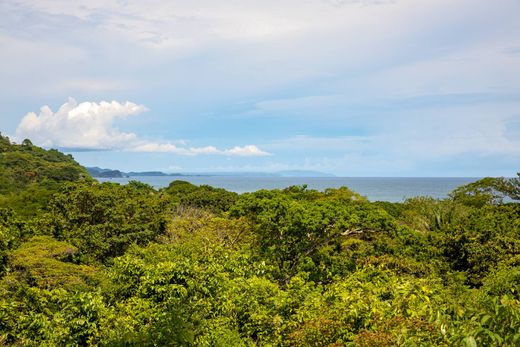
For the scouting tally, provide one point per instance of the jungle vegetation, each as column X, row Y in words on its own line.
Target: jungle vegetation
column 84, row 263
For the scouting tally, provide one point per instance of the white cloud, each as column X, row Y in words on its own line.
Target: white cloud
column 245, row 151
column 87, row 125
column 90, row 126
column 157, row 148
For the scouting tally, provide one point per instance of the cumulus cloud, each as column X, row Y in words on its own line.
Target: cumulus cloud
column 245, row 151
column 87, row 125
column 90, row 126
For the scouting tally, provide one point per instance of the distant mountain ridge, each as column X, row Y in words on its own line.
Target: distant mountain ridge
column 110, row 173
column 104, row 173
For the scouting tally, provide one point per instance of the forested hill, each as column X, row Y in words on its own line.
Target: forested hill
column 21, row 165
column 33, row 170
column 84, row 263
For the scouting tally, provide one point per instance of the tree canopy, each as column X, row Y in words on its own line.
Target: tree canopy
column 84, row 263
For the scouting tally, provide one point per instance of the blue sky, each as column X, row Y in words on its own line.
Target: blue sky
column 350, row 87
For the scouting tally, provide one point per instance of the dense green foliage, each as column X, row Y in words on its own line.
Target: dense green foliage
column 30, row 175
column 111, row 265
column 206, row 197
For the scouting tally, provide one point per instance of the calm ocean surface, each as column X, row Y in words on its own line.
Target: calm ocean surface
column 392, row 189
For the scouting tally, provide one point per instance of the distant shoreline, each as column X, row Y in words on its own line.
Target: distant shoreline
column 97, row 172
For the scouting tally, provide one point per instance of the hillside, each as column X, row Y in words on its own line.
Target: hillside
column 29, row 174
column 23, row 164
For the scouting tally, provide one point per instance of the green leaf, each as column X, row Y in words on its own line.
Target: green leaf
column 485, row 319
column 470, row 341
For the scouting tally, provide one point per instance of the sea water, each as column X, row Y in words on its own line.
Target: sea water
column 394, row 189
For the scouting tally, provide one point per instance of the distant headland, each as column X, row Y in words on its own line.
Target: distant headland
column 111, row 173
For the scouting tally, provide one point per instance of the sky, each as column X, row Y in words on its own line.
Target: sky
column 348, row 87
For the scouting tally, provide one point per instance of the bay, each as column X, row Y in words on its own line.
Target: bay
column 393, row 189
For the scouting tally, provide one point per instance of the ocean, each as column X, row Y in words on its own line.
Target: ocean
column 393, row 189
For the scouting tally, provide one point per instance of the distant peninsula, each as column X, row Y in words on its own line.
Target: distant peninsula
column 97, row 172
column 105, row 173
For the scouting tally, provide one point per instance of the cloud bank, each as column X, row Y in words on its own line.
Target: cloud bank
column 377, row 87
column 245, row 151
column 89, row 126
